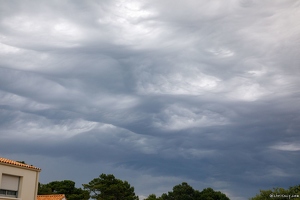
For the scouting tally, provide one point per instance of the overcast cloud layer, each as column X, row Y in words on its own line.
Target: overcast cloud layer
column 155, row 92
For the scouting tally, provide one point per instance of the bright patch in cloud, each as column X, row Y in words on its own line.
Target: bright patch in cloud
column 6, row 49
column 287, row 147
column 245, row 90
column 131, row 20
column 221, row 52
column 176, row 117
column 192, row 82
column 19, row 102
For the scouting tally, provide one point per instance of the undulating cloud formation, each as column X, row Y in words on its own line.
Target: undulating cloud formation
column 155, row 92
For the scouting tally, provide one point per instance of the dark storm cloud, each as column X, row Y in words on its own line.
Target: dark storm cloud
column 204, row 92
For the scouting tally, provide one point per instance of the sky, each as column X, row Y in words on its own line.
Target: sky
column 155, row 92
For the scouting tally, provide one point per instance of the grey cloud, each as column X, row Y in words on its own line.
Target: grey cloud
column 164, row 91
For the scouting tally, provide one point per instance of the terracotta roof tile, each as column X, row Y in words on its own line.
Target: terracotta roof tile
column 15, row 163
column 51, row 197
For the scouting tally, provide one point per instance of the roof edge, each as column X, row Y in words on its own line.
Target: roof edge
column 13, row 163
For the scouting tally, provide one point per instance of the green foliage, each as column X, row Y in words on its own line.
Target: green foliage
column 210, row 194
column 279, row 194
column 62, row 187
column 66, row 187
column 107, row 187
column 44, row 189
column 181, row 192
column 295, row 189
column 185, row 192
column 151, row 197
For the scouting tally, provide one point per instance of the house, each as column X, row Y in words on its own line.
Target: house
column 18, row 181
column 51, row 197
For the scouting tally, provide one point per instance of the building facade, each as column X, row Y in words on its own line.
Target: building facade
column 18, row 181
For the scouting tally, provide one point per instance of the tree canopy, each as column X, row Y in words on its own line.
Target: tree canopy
column 210, row 194
column 107, row 187
column 279, row 194
column 181, row 192
column 66, row 187
column 184, row 191
column 151, row 197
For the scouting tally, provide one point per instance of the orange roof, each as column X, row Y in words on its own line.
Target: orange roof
column 17, row 164
column 51, row 197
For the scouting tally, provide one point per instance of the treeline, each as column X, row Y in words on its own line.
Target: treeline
column 185, row 192
column 66, row 187
column 107, row 187
column 279, row 194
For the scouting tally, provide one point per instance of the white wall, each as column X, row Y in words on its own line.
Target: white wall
column 28, row 181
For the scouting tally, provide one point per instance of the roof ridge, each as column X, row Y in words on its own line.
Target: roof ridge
column 15, row 163
column 51, row 197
